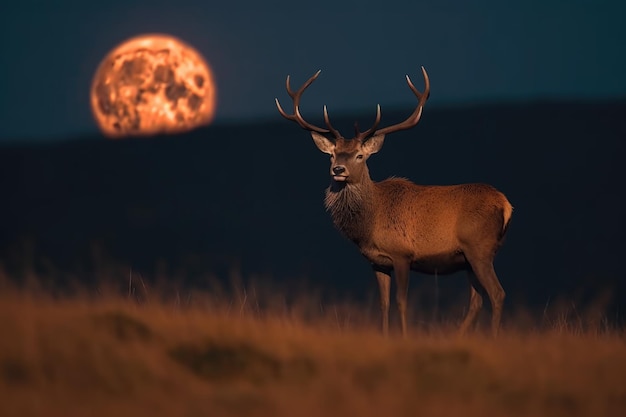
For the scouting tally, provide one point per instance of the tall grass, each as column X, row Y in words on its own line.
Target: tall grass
column 133, row 350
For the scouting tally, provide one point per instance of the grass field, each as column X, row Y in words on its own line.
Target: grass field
column 106, row 354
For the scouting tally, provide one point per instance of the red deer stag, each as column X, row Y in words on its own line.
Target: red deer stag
column 401, row 226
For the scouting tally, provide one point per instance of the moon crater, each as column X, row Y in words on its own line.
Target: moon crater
column 152, row 84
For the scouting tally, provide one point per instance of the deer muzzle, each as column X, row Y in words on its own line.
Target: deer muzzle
column 339, row 173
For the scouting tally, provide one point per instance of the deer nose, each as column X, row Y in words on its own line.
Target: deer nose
column 339, row 169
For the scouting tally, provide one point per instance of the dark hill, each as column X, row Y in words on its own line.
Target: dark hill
column 250, row 196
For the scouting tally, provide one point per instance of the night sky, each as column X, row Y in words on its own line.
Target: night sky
column 474, row 52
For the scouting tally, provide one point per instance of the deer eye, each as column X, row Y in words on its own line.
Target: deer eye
column 359, row 156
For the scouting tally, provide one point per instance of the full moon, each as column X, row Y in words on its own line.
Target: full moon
column 152, row 84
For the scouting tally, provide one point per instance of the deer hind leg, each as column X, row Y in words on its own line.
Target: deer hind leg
column 384, row 283
column 475, row 303
column 401, row 272
column 486, row 276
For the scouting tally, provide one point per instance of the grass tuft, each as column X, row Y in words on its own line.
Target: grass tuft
column 123, row 326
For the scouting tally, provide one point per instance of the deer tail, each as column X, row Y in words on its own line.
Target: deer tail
column 507, row 212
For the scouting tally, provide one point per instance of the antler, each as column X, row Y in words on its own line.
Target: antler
column 412, row 120
column 363, row 136
column 297, row 117
column 415, row 117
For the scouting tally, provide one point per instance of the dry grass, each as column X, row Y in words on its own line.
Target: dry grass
column 111, row 355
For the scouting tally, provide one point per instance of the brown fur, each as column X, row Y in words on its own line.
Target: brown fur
column 402, row 226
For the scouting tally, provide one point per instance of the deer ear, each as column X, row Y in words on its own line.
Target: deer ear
column 323, row 143
column 373, row 144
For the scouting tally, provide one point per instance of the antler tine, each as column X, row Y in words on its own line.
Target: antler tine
column 281, row 111
column 295, row 96
column 364, row 136
column 334, row 131
column 414, row 118
column 289, row 90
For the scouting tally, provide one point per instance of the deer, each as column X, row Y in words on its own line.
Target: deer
column 400, row 226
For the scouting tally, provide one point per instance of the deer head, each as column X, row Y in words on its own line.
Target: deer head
column 349, row 156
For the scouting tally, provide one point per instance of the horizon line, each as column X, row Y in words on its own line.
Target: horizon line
column 339, row 114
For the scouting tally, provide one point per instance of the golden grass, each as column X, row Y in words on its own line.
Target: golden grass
column 109, row 355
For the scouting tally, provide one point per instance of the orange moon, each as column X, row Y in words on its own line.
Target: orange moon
column 152, row 84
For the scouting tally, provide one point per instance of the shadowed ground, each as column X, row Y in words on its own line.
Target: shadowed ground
column 103, row 354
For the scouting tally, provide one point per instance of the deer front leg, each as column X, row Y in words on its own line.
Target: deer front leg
column 384, row 283
column 401, row 272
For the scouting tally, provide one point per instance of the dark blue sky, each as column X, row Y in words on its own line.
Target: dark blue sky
column 474, row 51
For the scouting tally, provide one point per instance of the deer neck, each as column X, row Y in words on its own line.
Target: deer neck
column 351, row 207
